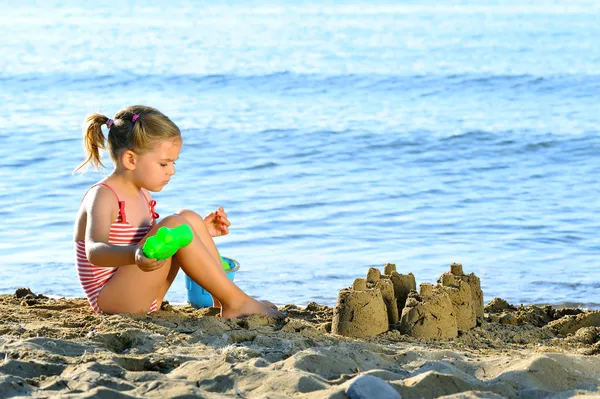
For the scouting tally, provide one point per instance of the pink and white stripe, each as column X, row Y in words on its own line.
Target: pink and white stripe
column 93, row 278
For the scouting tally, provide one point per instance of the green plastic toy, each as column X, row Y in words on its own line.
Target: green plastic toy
column 167, row 241
column 224, row 263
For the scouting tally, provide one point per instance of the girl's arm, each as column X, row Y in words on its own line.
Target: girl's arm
column 101, row 211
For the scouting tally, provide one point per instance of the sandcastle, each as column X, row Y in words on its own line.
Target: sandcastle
column 429, row 314
column 390, row 301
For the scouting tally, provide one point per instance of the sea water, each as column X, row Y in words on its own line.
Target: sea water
column 337, row 136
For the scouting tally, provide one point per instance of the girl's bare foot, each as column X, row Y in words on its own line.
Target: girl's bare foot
column 251, row 306
column 269, row 304
column 216, row 303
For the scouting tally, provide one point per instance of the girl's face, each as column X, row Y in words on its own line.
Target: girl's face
column 154, row 169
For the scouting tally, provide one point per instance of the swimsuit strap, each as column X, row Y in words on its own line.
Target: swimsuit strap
column 151, row 204
column 121, row 203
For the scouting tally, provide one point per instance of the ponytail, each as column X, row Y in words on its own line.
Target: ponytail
column 93, row 140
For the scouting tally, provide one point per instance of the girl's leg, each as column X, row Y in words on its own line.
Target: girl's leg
column 118, row 296
column 131, row 290
column 173, row 270
column 206, row 269
column 197, row 223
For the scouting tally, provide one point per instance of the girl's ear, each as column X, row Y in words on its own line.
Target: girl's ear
column 129, row 160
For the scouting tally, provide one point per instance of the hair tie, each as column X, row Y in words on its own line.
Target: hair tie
column 135, row 118
column 109, row 123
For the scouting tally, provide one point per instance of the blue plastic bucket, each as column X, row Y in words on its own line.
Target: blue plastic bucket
column 197, row 296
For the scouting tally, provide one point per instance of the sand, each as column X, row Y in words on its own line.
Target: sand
column 60, row 348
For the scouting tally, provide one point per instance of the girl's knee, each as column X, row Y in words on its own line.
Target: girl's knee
column 174, row 220
column 188, row 214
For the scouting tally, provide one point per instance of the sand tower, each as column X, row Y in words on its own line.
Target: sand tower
column 429, row 314
column 460, row 294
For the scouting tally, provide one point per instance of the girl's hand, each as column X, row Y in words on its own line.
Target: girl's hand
column 147, row 264
column 217, row 223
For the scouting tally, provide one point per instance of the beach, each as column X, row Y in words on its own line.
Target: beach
column 337, row 136
column 59, row 347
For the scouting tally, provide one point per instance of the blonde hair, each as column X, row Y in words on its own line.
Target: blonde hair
column 124, row 132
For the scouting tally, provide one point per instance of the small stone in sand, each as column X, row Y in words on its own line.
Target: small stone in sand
column 369, row 386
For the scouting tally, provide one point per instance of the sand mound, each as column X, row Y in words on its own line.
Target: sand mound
column 360, row 313
column 430, row 314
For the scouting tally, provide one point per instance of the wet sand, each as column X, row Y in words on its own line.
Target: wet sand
column 59, row 347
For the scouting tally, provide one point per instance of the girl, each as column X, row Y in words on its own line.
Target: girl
column 117, row 215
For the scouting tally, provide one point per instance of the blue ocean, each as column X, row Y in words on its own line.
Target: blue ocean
column 337, row 136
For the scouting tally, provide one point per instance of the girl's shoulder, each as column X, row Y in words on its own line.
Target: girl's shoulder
column 100, row 196
column 98, row 209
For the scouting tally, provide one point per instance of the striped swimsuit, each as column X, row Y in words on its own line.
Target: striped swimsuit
column 93, row 278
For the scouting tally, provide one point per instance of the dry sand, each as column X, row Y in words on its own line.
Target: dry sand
column 60, row 348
